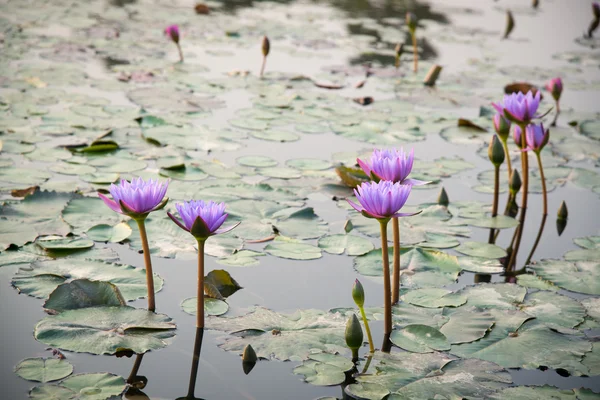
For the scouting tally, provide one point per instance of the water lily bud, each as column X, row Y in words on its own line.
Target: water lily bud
column 502, row 126
column 555, row 87
column 510, row 24
column 172, row 31
column 535, row 3
column 596, row 9
column 354, row 333
column 514, row 185
column 411, row 21
column 399, row 48
column 358, row 293
column 249, row 355
column 266, row 46
column 442, row 199
column 563, row 212
column 496, row 151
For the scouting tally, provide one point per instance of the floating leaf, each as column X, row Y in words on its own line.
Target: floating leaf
column 478, row 249
column 554, row 309
column 211, row 306
column 420, row 339
column 105, row 330
column 107, row 233
column 467, row 325
column 337, row 244
column 294, row 251
column 323, row 369
column 56, row 243
column 223, row 282
column 480, row 265
column 82, row 293
column 434, row 298
column 43, row 369
column 579, row 276
column 494, row 295
column 242, row 258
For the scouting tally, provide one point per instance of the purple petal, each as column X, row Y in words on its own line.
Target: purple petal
column 111, row 203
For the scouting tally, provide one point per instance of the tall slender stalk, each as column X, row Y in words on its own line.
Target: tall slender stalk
column 525, row 192
column 180, row 52
column 136, row 367
column 149, row 275
column 200, row 298
column 387, row 296
column 415, row 53
column 195, row 362
column 545, row 211
column 262, row 68
column 491, row 238
column 556, row 115
column 508, row 162
column 396, row 271
column 367, row 328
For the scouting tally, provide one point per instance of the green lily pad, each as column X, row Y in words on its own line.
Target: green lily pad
column 420, row 339
column 211, row 306
column 82, row 293
column 256, row 161
column 275, row 135
column 242, row 258
column 554, row 309
column 480, row 265
column 14, row 232
column 280, row 172
column 294, row 251
column 42, row 277
column 51, row 392
column 86, row 212
column 484, row 250
column 337, row 244
column 434, row 298
column 284, row 337
column 43, row 369
column 308, row 164
column 535, row 282
column 108, row 233
column 467, row 325
column 105, row 330
column 95, row 386
column 534, row 393
column 323, row 369
column 578, row 276
column 592, row 360
column 590, row 129
column 56, row 243
column 497, row 222
column 222, row 281
column 494, row 295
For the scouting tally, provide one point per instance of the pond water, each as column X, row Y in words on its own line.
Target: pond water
column 73, row 72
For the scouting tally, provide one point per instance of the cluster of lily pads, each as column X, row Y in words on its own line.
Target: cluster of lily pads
column 59, row 150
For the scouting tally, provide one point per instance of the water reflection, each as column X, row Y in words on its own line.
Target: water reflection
column 195, row 363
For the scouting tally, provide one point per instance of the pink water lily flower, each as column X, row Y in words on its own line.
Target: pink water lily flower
column 172, row 31
column 202, row 219
column 519, row 107
column 381, row 200
column 390, row 165
column 536, row 137
column 555, row 87
column 137, row 198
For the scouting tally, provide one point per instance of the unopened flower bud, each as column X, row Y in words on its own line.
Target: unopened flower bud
column 172, row 32
column 596, row 9
column 496, row 151
column 358, row 293
column 502, row 126
column 266, row 46
column 442, row 199
column 514, row 185
column 354, row 333
column 249, row 359
column 510, row 24
column 555, row 87
column 411, row 21
column 563, row 212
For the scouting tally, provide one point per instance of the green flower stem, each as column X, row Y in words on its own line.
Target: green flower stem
column 367, row 328
column 262, row 68
column 180, row 52
column 495, row 204
column 525, row 192
column 195, row 362
column 396, row 273
column 415, row 52
column 507, row 155
column 367, row 364
column 545, row 213
column 149, row 275
column 556, row 115
column 354, row 355
column 200, row 298
column 136, row 367
column 387, row 295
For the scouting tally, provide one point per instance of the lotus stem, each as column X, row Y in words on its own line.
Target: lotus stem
column 415, row 52
column 491, row 238
column 367, row 328
column 396, row 273
column 367, row 364
column 354, row 355
column 180, row 52
column 149, row 275
column 387, row 296
column 200, row 298
column 545, row 212
column 195, row 362
column 136, row 367
column 262, row 68
column 525, row 192
column 556, row 115
column 508, row 162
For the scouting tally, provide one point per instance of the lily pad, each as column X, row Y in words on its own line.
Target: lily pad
column 95, row 386
column 82, row 293
column 480, row 265
column 222, row 281
column 494, row 295
column 108, row 233
column 211, row 306
column 554, row 309
column 106, row 330
column 43, row 369
column 484, row 250
column 578, row 276
column 434, row 298
column 337, row 244
column 242, row 258
column 420, row 339
column 323, row 369
column 467, row 325
column 294, row 251
column 55, row 243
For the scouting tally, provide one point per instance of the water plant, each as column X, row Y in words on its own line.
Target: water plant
column 172, row 32
column 265, row 48
column 555, row 87
column 358, row 295
column 137, row 199
column 411, row 23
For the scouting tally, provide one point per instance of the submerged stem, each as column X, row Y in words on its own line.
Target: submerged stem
column 200, row 298
column 180, row 52
column 396, row 271
column 525, row 192
column 495, row 203
column 507, row 156
column 545, row 212
column 387, row 296
column 149, row 275
column 367, row 328
column 556, row 115
column 195, row 362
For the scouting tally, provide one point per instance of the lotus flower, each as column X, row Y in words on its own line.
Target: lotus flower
column 137, row 198
column 502, row 126
column 390, row 165
column 555, row 87
column 381, row 200
column 536, row 137
column 202, row 219
column 518, row 107
column 172, row 31
column 517, row 136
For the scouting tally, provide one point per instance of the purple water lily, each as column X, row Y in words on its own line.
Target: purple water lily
column 172, row 31
column 381, row 200
column 555, row 87
column 390, row 165
column 518, row 107
column 202, row 219
column 517, row 136
column 536, row 137
column 137, row 198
